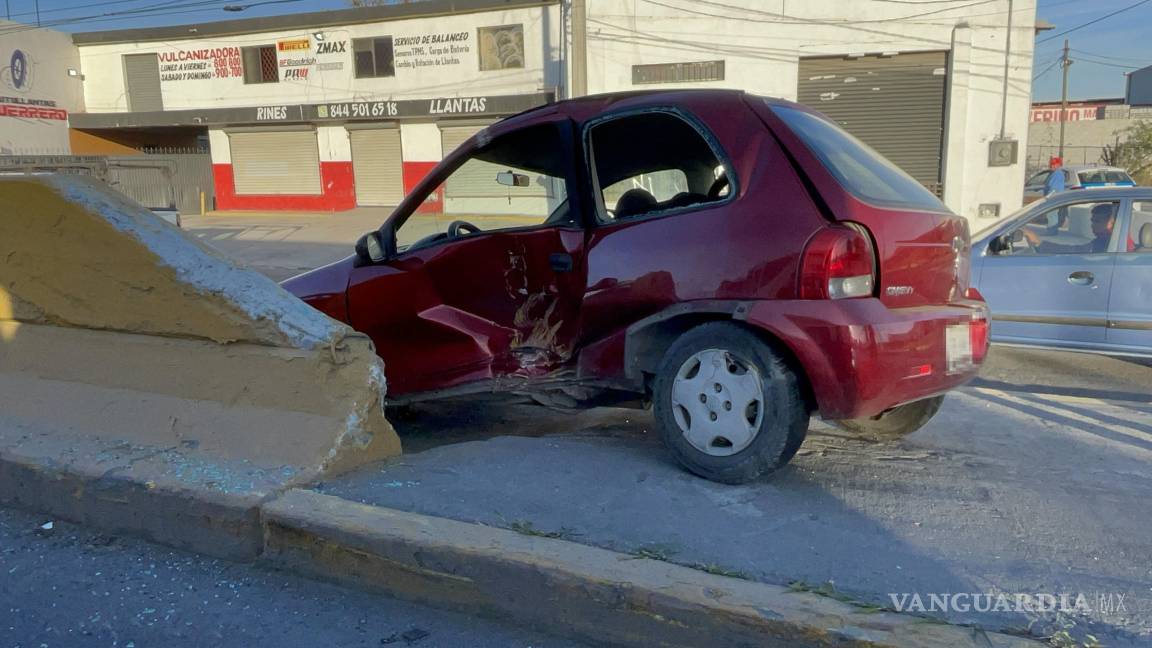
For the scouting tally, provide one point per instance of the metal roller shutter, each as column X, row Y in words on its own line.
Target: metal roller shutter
column 275, row 162
column 452, row 137
column 142, row 78
column 476, row 179
column 893, row 103
column 377, row 160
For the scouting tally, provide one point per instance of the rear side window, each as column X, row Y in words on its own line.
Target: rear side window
column 859, row 169
column 1117, row 176
column 1091, row 177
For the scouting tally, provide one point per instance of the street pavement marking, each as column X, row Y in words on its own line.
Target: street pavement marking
column 1059, row 409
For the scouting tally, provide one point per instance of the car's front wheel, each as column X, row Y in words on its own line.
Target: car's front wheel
column 727, row 406
column 895, row 423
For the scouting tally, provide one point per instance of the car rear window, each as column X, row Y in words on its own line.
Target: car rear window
column 1092, row 177
column 862, row 171
column 1117, row 176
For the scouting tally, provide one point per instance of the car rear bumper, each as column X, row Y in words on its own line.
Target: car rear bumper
column 862, row 358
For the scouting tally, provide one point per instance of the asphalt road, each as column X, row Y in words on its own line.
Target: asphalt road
column 71, row 587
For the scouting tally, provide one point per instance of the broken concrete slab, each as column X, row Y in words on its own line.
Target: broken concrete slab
column 117, row 328
column 563, row 586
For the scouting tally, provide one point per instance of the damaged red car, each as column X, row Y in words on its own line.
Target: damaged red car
column 737, row 262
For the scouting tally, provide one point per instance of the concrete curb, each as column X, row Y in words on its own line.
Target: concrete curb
column 554, row 585
column 159, row 495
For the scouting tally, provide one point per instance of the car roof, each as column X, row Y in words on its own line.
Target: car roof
column 1093, row 167
column 592, row 106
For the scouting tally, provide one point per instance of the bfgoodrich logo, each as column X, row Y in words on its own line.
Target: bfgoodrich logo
column 17, row 75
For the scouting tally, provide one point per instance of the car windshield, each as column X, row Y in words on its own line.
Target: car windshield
column 859, row 169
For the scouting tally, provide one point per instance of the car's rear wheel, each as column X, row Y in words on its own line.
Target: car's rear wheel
column 895, row 423
column 727, row 406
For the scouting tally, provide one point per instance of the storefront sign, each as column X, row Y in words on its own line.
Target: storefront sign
column 346, row 111
column 18, row 76
column 1076, row 112
column 431, row 50
column 201, row 64
column 295, row 45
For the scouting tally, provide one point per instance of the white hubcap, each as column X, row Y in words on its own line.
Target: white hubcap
column 718, row 402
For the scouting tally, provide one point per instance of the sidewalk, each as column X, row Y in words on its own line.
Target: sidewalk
column 1002, row 493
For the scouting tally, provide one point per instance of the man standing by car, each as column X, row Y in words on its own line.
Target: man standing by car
column 1055, row 182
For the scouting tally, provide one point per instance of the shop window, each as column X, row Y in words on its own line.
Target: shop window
column 501, row 48
column 260, row 64
column 374, row 57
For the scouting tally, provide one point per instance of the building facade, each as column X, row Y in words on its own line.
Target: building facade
column 40, row 87
column 331, row 110
column 1089, row 127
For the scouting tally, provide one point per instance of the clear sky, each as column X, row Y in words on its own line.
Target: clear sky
column 1103, row 52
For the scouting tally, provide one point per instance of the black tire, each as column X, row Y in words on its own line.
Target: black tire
column 782, row 425
column 896, row 423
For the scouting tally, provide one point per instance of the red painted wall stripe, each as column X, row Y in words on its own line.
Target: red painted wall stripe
column 414, row 172
column 337, row 183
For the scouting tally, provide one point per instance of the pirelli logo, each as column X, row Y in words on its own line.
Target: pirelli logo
column 294, row 45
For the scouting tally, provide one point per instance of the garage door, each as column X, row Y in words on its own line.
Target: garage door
column 378, row 163
column 893, row 103
column 452, row 137
column 280, row 162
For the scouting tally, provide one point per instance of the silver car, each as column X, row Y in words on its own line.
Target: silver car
column 1085, row 176
column 1072, row 271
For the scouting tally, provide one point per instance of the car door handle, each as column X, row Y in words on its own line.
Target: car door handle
column 560, row 261
column 1081, row 278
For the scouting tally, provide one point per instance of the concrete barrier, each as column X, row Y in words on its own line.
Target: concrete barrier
column 118, row 330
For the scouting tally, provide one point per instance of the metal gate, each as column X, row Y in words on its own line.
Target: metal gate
column 137, row 177
column 895, row 104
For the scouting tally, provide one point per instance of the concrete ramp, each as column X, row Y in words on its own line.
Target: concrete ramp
column 118, row 330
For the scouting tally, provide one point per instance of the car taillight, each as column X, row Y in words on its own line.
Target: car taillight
column 838, row 263
column 978, row 336
column 978, row 328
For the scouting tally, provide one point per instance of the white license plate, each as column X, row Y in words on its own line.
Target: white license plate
column 958, row 343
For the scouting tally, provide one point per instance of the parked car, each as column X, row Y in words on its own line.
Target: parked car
column 1073, row 271
column 740, row 263
column 1078, row 177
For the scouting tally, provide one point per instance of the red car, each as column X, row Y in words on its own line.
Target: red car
column 740, row 263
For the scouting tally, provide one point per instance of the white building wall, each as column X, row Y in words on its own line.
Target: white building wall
column 332, row 76
column 39, row 81
column 420, row 142
column 761, row 42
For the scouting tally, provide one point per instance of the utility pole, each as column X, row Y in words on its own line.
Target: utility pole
column 1007, row 71
column 579, row 18
column 1065, row 63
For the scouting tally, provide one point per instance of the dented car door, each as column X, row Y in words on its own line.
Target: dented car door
column 487, row 274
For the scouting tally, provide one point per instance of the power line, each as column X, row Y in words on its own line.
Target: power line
column 74, row 7
column 780, row 18
column 1093, row 22
column 1111, row 58
column 163, row 9
column 1116, row 65
column 1048, row 69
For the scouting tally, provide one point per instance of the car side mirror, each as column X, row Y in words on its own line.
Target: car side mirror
column 1015, row 237
column 372, row 248
column 511, row 179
